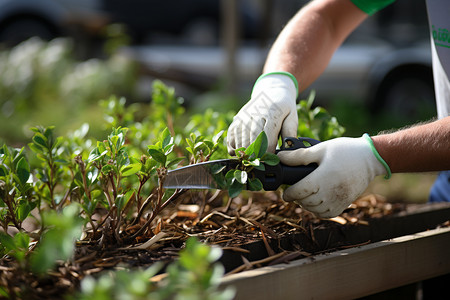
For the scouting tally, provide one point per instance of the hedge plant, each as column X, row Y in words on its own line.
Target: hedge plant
column 62, row 184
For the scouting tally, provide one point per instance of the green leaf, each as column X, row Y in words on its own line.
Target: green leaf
column 230, row 175
column 101, row 147
column 235, row 189
column 3, row 171
column 217, row 137
column 310, row 100
column 7, row 241
column 106, row 169
column 165, row 137
column 40, row 140
column 22, row 240
column 92, row 176
column 217, row 168
column 174, row 161
column 157, row 155
column 96, row 155
column 120, row 202
column 252, row 163
column 150, row 163
column 130, row 169
column 250, row 150
column 270, row 159
column 24, row 209
column 261, row 167
column 35, row 148
column 261, row 144
column 241, row 176
column 23, row 171
column 168, row 149
column 254, row 184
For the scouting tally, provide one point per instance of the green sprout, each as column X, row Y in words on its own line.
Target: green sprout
column 254, row 156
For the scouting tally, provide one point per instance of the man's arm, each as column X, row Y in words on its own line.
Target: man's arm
column 417, row 149
column 348, row 165
column 300, row 54
column 307, row 43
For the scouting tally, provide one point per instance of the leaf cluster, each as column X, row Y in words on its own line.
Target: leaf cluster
column 255, row 156
column 109, row 193
column 317, row 122
column 196, row 275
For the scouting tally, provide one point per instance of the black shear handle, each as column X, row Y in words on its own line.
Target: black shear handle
column 274, row 176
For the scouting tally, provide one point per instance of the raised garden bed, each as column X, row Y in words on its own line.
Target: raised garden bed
column 330, row 236
column 350, row 273
column 115, row 207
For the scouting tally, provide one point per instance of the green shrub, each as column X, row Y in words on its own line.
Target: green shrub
column 61, row 183
column 41, row 83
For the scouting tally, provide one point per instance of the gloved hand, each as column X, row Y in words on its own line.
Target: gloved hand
column 272, row 108
column 346, row 167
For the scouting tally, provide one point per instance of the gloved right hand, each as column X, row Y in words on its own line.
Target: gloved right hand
column 346, row 167
column 272, row 109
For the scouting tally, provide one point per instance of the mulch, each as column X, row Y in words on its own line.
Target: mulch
column 212, row 218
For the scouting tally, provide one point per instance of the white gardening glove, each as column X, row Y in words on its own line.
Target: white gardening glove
column 272, row 108
column 346, row 167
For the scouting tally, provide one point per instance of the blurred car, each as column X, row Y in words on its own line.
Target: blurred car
column 47, row 19
column 385, row 63
column 178, row 21
column 195, row 21
column 387, row 77
column 384, row 76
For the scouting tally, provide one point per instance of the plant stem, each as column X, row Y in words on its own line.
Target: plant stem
column 174, row 196
column 9, row 203
column 141, row 209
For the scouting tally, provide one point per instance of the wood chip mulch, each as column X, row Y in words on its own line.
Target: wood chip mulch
column 211, row 217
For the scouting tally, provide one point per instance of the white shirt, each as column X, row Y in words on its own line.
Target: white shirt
column 439, row 22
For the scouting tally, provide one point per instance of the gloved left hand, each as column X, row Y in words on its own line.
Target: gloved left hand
column 272, row 109
column 346, row 167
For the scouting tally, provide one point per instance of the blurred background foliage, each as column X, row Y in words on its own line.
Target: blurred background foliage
column 41, row 83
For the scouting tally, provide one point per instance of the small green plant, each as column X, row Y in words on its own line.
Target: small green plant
column 16, row 246
column 57, row 243
column 109, row 194
column 195, row 275
column 202, row 149
column 44, row 83
column 48, row 149
column 317, row 123
column 254, row 156
column 16, row 192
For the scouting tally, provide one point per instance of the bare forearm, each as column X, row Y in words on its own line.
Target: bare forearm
column 417, row 149
column 307, row 43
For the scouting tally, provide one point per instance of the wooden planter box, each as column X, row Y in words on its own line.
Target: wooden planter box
column 403, row 249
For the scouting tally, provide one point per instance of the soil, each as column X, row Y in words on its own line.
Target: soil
column 256, row 230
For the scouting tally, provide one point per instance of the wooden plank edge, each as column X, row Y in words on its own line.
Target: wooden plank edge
column 350, row 273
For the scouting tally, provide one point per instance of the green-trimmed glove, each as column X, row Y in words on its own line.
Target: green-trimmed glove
column 272, row 108
column 346, row 167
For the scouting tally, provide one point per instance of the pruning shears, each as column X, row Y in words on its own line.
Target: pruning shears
column 206, row 175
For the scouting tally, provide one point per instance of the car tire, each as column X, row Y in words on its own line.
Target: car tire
column 408, row 94
column 22, row 29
